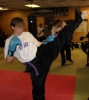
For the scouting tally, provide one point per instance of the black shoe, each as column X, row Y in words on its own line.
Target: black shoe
column 87, row 64
column 70, row 60
column 62, row 64
column 78, row 15
column 88, row 98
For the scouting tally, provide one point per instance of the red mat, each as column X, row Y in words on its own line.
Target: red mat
column 17, row 86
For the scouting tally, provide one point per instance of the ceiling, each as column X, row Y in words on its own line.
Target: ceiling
column 19, row 4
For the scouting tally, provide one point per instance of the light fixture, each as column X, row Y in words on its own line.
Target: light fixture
column 1, row 8
column 31, row 21
column 5, row 9
column 32, row 5
column 60, row 0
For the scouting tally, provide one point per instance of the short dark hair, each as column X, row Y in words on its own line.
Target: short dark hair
column 69, row 21
column 40, row 25
column 56, row 22
column 16, row 20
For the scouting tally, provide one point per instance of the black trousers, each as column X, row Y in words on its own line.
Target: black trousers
column 67, row 55
column 46, row 53
column 68, row 52
column 62, row 52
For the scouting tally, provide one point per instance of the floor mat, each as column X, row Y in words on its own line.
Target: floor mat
column 17, row 86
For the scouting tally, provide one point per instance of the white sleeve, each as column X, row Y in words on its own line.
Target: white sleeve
column 38, row 30
column 6, row 49
column 34, row 40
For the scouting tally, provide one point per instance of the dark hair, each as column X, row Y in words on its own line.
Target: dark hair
column 16, row 20
column 69, row 21
column 40, row 25
column 56, row 22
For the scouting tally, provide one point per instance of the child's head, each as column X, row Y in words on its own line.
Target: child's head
column 17, row 21
column 17, row 24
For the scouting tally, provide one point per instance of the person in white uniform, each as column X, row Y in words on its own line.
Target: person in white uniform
column 36, row 55
column 40, row 33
